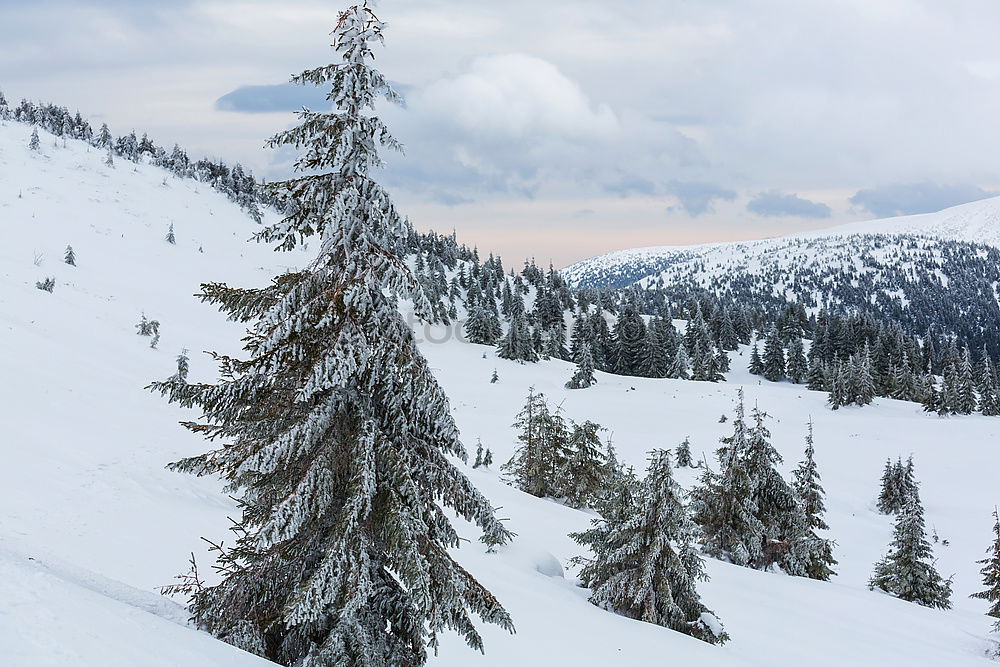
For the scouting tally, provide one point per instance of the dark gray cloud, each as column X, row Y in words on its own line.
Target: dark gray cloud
column 278, row 97
column 696, row 197
column 911, row 198
column 774, row 203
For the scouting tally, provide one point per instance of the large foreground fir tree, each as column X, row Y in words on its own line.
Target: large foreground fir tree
column 335, row 435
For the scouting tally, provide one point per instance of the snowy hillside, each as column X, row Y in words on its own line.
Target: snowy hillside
column 91, row 523
column 976, row 222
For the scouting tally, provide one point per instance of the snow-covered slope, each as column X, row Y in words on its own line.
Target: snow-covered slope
column 976, row 222
column 91, row 523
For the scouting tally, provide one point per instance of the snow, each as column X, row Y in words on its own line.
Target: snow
column 835, row 247
column 91, row 524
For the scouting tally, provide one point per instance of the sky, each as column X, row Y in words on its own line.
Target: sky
column 569, row 128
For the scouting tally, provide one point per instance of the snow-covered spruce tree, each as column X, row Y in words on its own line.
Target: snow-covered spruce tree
column 482, row 327
column 907, row 571
column 756, row 363
column 337, row 436
column 479, row 454
column 965, row 389
column 516, row 344
column 989, row 398
column 170, row 238
column 775, row 503
column 33, row 142
column 724, row 503
column 774, row 357
column 991, row 575
column 70, row 257
column 583, row 377
column 811, row 554
column 645, row 561
column 538, row 461
column 807, row 486
column 109, row 161
column 898, row 484
column 183, row 366
column 798, row 367
column 585, row 473
column 684, row 454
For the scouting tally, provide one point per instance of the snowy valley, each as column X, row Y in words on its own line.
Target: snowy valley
column 92, row 523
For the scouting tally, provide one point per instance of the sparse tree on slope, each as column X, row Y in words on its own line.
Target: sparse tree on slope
column 811, row 554
column 907, row 571
column 585, row 476
column 33, row 142
column 798, row 366
column 724, row 504
column 991, row 575
column 684, row 454
column 583, row 377
column 516, row 344
column 70, row 256
column 537, row 463
column 646, row 564
column 756, row 363
column 774, row 358
column 337, row 436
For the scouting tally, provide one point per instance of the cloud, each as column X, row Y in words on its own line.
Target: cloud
column 516, row 95
column 280, row 97
column 515, row 124
column 911, row 198
column 774, row 203
column 696, row 197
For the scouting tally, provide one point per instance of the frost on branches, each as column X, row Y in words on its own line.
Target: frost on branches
column 646, row 560
column 335, row 434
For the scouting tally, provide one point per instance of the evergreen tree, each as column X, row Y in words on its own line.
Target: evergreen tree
column 517, row 344
column 183, row 366
column 807, row 486
column 774, row 500
column 583, row 377
column 629, row 342
column 70, row 256
column 487, row 458
column 684, row 454
column 965, row 386
column 494, row 378
column 645, row 562
column 756, row 363
column 898, row 484
column 816, row 379
column 681, row 366
column 34, row 143
column 109, row 161
column 337, row 434
column 479, row 454
column 724, row 504
column 537, row 464
column 170, row 238
column 811, row 554
column 989, row 398
column 774, row 358
column 482, row 327
column 991, row 575
column 907, row 571
column 584, row 478
column 798, row 367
